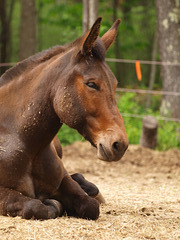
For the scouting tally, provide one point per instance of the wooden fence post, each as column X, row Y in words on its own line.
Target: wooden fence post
column 149, row 132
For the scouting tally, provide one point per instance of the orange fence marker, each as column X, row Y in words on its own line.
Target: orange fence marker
column 138, row 71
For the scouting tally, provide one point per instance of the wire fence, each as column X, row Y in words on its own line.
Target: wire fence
column 7, row 64
column 140, row 91
column 142, row 62
column 120, row 61
column 158, row 117
column 148, row 91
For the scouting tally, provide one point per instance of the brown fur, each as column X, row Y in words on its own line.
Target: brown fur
column 69, row 84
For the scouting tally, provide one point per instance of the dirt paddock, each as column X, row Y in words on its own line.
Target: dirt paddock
column 142, row 193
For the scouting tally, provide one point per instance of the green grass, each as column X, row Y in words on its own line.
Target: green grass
column 168, row 132
column 68, row 135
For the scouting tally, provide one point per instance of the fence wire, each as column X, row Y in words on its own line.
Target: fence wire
column 148, row 91
column 143, row 62
column 158, row 117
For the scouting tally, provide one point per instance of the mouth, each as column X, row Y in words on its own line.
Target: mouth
column 103, row 155
column 108, row 150
column 110, row 155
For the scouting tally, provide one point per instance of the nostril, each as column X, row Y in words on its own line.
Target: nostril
column 116, row 146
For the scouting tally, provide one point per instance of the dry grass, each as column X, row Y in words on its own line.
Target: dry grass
column 142, row 195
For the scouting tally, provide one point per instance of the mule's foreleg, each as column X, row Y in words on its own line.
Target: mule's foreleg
column 14, row 204
column 90, row 188
column 75, row 201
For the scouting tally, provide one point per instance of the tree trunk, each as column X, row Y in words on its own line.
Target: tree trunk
column 27, row 45
column 85, row 16
column 93, row 12
column 149, row 132
column 123, row 68
column 153, row 69
column 5, row 34
column 117, row 43
column 90, row 13
column 168, row 14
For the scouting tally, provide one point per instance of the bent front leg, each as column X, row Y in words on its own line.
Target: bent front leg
column 90, row 188
column 75, row 201
column 14, row 203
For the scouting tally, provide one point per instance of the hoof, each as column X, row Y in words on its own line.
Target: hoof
column 99, row 197
column 35, row 209
column 55, row 208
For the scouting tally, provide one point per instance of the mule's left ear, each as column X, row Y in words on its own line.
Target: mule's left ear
column 90, row 37
column 110, row 35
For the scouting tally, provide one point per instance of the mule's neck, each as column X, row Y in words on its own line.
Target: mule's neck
column 40, row 122
column 29, row 107
column 29, row 98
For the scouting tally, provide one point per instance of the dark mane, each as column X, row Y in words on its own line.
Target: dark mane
column 98, row 51
column 30, row 62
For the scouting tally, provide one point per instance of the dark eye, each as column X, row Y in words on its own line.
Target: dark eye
column 92, row 85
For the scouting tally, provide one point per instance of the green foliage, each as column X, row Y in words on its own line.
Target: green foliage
column 132, row 125
column 68, row 135
column 168, row 135
column 58, row 24
column 168, row 132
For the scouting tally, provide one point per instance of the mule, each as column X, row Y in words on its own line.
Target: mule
column 68, row 84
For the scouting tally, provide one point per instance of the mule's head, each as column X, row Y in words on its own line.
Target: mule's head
column 88, row 99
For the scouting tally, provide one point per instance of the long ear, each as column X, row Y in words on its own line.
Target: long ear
column 110, row 35
column 90, row 37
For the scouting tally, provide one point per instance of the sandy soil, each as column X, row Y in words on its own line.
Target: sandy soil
column 142, row 193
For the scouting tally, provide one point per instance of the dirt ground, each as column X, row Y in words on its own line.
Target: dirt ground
column 142, row 193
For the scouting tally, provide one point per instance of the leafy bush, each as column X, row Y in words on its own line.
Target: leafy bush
column 168, row 132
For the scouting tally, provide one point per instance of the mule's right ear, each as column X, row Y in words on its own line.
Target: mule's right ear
column 90, row 37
